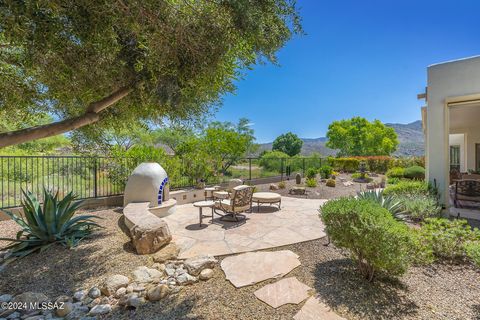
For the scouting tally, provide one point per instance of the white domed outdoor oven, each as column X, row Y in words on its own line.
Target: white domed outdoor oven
column 149, row 183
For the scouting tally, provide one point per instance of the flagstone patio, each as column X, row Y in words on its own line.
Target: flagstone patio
column 296, row 221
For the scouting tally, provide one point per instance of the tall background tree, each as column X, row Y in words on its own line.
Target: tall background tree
column 288, row 143
column 359, row 137
column 102, row 61
column 222, row 143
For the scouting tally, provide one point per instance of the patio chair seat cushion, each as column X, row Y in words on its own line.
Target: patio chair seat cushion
column 221, row 194
column 226, row 204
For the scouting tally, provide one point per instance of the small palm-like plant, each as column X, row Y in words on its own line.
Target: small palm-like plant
column 389, row 202
column 47, row 224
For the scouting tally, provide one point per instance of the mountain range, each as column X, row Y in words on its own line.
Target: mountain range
column 410, row 137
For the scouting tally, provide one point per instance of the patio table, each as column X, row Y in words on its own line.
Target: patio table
column 209, row 192
column 203, row 204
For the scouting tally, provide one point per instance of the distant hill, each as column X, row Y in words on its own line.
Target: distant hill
column 410, row 136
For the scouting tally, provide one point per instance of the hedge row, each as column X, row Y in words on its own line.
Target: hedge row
column 379, row 164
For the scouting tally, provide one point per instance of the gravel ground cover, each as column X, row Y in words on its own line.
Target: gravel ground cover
column 321, row 191
column 440, row 291
column 436, row 292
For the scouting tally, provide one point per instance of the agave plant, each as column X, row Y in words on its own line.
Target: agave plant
column 47, row 224
column 389, row 202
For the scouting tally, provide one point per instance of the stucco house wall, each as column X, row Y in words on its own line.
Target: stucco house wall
column 447, row 82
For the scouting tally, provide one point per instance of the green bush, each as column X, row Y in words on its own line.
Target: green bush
column 312, row 183
column 408, row 188
column 408, row 162
column 378, row 164
column 472, row 250
column 282, row 185
column 325, row 171
column 271, row 160
column 311, row 173
column 420, row 206
column 393, row 180
column 415, row 173
column 448, row 239
column 47, row 224
column 373, row 238
column 395, row 172
column 344, row 164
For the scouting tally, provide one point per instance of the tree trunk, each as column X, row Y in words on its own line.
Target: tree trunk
column 90, row 116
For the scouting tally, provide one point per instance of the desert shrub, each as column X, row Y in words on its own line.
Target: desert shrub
column 396, row 172
column 408, row 188
column 472, row 251
column 325, row 171
column 281, row 185
column 373, row 238
column 420, row 206
column 344, row 164
column 312, row 183
column 389, row 202
column 44, row 225
column 272, row 160
column 311, row 173
column 415, row 172
column 330, row 183
column 448, row 239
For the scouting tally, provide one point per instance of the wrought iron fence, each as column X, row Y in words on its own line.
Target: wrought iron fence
column 92, row 177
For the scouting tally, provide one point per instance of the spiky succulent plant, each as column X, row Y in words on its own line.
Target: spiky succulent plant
column 389, row 202
column 46, row 224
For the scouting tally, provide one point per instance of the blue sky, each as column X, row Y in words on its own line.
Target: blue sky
column 365, row 58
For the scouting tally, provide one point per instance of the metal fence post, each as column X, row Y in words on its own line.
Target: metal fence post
column 303, row 167
column 281, row 168
column 250, row 169
column 95, row 176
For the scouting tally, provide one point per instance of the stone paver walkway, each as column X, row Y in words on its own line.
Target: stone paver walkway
column 252, row 267
column 314, row 309
column 284, row 291
column 297, row 221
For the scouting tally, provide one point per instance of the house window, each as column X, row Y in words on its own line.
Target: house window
column 455, row 157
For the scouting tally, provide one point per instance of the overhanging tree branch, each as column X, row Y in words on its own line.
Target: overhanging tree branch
column 43, row 131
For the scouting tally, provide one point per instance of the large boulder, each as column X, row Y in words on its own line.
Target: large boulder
column 273, row 186
column 150, row 239
column 297, row 191
column 148, row 232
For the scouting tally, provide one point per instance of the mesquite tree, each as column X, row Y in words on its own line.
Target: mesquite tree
column 118, row 61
